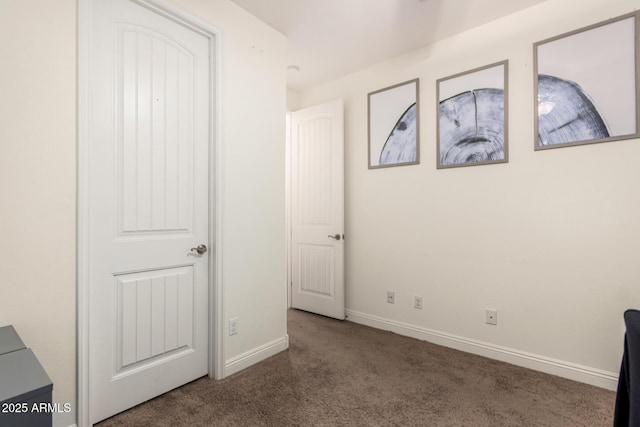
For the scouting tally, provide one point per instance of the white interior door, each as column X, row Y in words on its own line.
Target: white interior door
column 148, row 154
column 317, row 209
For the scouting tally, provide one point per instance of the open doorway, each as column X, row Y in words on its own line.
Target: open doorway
column 315, row 209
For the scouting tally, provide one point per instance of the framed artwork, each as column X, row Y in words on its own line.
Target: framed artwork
column 472, row 117
column 394, row 128
column 586, row 85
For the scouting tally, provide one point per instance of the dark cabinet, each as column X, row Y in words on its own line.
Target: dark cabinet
column 25, row 388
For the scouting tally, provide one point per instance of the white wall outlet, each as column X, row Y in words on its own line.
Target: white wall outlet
column 491, row 316
column 233, row 326
column 417, row 302
column 391, row 297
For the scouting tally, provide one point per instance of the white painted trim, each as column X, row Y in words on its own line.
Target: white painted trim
column 218, row 350
column 287, row 190
column 572, row 371
column 216, row 306
column 258, row 354
column 82, row 227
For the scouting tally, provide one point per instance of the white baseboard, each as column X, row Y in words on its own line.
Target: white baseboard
column 572, row 371
column 253, row 356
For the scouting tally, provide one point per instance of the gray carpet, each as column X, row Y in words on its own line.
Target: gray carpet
column 343, row 374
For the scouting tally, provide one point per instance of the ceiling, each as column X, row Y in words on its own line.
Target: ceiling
column 327, row 39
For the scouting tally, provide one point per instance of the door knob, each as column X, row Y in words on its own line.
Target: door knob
column 201, row 249
column 334, row 237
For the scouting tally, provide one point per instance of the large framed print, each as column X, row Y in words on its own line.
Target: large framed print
column 394, row 125
column 472, row 122
column 586, row 85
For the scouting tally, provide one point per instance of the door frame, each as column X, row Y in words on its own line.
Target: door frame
column 287, row 202
column 216, row 306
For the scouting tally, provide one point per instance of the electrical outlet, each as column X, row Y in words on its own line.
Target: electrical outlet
column 417, row 302
column 233, row 326
column 391, row 297
column 491, row 316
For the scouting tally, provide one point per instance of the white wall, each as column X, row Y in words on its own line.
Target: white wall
column 38, row 181
column 293, row 100
column 38, row 184
column 550, row 239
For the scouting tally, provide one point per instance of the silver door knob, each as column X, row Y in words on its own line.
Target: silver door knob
column 201, row 249
column 334, row 237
